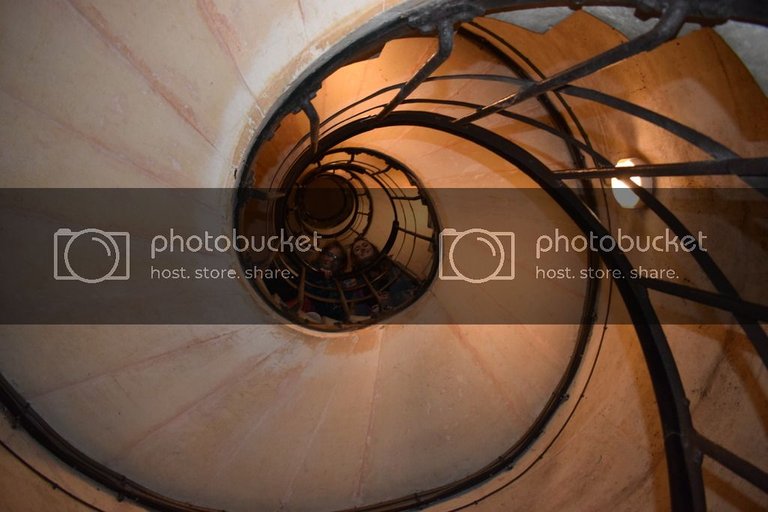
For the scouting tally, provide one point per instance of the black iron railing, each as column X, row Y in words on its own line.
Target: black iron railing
column 685, row 446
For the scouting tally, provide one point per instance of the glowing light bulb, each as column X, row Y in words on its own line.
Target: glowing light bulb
column 622, row 192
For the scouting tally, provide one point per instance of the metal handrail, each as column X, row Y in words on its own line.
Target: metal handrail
column 684, row 446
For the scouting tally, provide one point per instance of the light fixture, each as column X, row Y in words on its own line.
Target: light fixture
column 622, row 192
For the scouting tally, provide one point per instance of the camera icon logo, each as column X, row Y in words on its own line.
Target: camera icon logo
column 91, row 255
column 476, row 255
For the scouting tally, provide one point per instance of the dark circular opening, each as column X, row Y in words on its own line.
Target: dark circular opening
column 325, row 200
column 371, row 236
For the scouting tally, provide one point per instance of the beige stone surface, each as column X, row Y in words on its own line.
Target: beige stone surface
column 141, row 94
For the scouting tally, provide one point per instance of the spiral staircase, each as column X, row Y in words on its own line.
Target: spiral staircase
column 634, row 405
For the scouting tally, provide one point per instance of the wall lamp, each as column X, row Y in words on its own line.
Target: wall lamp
column 622, row 192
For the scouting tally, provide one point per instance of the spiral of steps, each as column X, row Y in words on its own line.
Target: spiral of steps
column 395, row 411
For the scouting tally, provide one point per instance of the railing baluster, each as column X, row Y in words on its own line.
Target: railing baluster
column 737, row 306
column 302, row 284
column 373, row 290
column 343, row 300
column 314, row 124
column 730, row 460
column 445, row 46
column 669, row 24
